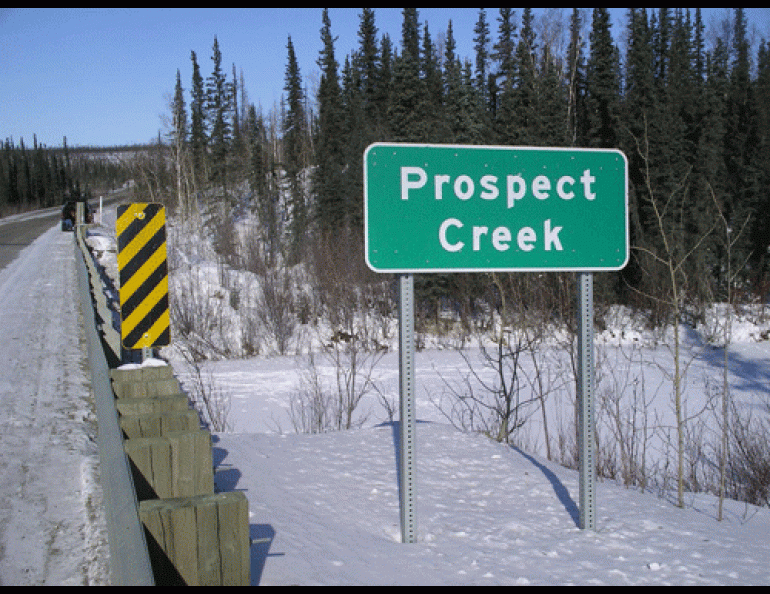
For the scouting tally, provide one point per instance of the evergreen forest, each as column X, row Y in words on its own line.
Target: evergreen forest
column 688, row 105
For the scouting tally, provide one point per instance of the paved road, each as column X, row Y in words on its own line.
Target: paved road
column 19, row 231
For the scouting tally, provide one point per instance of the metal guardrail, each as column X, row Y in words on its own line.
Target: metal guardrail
column 103, row 297
column 129, row 558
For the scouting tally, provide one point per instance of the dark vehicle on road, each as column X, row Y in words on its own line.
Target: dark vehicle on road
column 69, row 214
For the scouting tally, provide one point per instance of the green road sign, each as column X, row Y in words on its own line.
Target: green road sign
column 446, row 208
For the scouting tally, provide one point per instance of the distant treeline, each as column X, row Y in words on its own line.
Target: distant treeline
column 39, row 177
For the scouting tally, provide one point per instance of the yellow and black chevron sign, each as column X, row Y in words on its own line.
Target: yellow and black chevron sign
column 143, row 274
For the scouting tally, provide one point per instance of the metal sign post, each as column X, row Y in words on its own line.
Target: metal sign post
column 585, row 394
column 407, row 408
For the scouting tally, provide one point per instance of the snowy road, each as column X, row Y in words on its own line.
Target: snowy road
column 51, row 524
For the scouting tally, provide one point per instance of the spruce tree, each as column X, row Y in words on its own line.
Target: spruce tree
column 602, row 90
column 384, row 95
column 263, row 185
column 198, row 132
column 502, row 103
column 463, row 112
column 435, row 124
column 741, row 140
column 761, row 228
column 179, row 147
column 523, row 121
column 258, row 170
column 551, row 108
column 294, row 130
column 456, row 105
column 475, row 125
column 370, row 74
column 329, row 153
column 503, row 50
column 575, row 72
column 219, row 104
column 238, row 150
column 481, row 40
column 638, row 113
column 407, row 108
column 451, row 81
column 357, row 136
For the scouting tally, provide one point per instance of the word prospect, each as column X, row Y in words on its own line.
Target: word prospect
column 442, row 208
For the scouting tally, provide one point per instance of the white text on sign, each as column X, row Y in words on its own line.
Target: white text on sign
column 501, row 237
column 463, row 187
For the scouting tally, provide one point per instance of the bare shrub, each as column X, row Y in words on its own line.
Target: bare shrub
column 625, row 412
column 310, row 408
column 491, row 398
column 196, row 315
column 352, row 303
column 211, row 402
column 276, row 307
column 332, row 403
column 748, row 466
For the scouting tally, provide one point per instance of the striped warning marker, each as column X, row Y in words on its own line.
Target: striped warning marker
column 143, row 274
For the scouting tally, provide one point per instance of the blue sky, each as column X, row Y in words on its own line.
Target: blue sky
column 104, row 76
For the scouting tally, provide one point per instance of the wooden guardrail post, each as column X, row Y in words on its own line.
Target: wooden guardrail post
column 174, row 465
column 195, row 536
column 205, row 538
column 157, row 424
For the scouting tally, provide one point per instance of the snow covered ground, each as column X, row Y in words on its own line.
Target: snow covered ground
column 324, row 509
column 486, row 514
column 52, row 529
